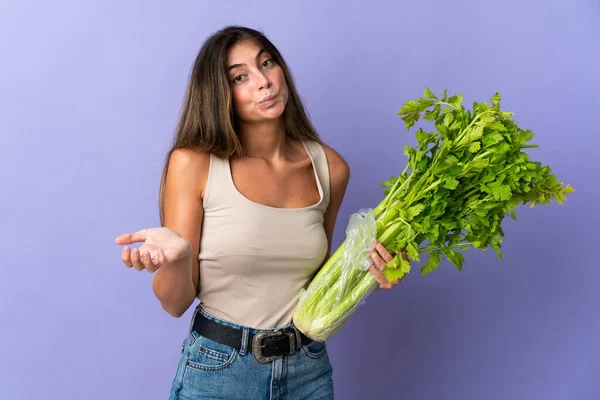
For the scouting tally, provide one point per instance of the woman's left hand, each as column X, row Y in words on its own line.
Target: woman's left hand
column 381, row 256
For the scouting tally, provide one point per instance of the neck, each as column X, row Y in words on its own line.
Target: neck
column 266, row 140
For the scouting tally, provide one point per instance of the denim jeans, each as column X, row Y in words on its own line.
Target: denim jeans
column 210, row 370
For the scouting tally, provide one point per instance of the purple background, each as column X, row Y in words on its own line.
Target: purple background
column 89, row 97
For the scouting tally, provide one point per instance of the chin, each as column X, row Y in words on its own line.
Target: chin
column 274, row 112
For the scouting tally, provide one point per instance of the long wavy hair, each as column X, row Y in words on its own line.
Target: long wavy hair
column 207, row 121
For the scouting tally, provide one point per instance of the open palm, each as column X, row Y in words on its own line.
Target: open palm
column 161, row 246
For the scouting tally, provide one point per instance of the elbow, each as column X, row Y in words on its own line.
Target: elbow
column 177, row 309
column 175, row 312
column 174, row 305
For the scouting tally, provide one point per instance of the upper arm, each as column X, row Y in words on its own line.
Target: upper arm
column 184, row 189
column 339, row 176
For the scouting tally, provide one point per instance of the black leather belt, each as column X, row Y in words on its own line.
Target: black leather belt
column 266, row 345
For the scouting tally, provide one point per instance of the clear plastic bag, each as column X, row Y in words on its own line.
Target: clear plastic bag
column 343, row 284
column 361, row 236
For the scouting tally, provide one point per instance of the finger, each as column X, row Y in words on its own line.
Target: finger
column 158, row 260
column 155, row 260
column 135, row 259
column 129, row 238
column 380, row 262
column 126, row 257
column 385, row 254
column 162, row 258
column 146, row 259
column 379, row 277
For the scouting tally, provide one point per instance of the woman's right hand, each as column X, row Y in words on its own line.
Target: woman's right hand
column 162, row 246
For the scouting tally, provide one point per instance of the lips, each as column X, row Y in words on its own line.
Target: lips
column 267, row 99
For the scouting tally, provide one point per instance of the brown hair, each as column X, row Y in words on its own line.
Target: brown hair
column 207, row 121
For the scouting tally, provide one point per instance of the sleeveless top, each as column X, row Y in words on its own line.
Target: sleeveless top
column 255, row 259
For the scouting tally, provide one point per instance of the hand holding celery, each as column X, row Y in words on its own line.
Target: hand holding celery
column 460, row 181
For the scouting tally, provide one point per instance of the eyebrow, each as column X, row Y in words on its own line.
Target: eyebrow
column 239, row 65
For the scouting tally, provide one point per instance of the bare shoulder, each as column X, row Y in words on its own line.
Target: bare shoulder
column 190, row 168
column 339, row 170
column 339, row 176
column 187, row 175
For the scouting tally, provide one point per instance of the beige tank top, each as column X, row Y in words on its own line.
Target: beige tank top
column 255, row 259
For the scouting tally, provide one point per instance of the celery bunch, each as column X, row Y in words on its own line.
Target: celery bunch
column 460, row 181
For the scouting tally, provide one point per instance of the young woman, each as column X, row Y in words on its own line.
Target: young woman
column 248, row 203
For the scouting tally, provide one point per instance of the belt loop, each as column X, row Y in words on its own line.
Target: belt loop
column 196, row 311
column 298, row 338
column 244, row 346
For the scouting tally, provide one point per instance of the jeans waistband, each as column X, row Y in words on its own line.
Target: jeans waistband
column 245, row 329
column 208, row 315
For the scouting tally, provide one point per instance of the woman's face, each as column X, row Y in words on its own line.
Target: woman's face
column 253, row 78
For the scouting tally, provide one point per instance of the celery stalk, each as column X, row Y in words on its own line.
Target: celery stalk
column 460, row 181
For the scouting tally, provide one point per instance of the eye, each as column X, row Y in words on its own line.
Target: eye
column 268, row 60
column 236, row 80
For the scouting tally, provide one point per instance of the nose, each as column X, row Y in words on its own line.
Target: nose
column 263, row 81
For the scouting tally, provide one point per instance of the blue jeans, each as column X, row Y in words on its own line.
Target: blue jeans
column 210, row 370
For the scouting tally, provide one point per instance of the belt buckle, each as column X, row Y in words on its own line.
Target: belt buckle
column 257, row 345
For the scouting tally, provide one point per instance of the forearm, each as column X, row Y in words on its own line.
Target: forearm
column 174, row 287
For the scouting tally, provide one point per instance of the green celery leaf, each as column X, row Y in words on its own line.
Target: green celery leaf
column 421, row 135
column 474, row 147
column 414, row 211
column 404, row 265
column 412, row 251
column 501, row 192
column 496, row 244
column 448, row 119
column 432, row 263
column 393, row 274
column 429, row 94
column 476, row 133
column 450, row 183
column 457, row 101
